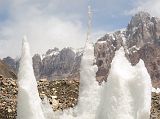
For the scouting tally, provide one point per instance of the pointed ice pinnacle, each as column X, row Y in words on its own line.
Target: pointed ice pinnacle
column 29, row 102
column 25, row 38
column 127, row 93
column 89, row 92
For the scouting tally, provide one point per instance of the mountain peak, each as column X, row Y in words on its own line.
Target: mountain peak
column 142, row 14
column 139, row 18
column 52, row 51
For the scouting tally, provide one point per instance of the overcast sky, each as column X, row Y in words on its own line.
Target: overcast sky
column 62, row 23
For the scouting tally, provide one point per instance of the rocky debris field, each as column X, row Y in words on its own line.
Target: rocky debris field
column 155, row 106
column 8, row 96
column 61, row 94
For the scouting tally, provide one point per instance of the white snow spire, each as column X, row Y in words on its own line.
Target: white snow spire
column 116, row 97
column 89, row 22
column 89, row 91
column 127, row 93
column 141, row 89
column 29, row 102
column 25, row 38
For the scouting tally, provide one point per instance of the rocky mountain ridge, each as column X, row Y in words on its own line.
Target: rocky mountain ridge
column 7, row 71
column 141, row 40
column 54, row 64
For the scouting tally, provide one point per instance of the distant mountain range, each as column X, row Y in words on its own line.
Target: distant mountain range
column 54, row 64
column 141, row 40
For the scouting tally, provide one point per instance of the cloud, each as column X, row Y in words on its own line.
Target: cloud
column 151, row 6
column 55, row 23
column 43, row 33
column 44, row 29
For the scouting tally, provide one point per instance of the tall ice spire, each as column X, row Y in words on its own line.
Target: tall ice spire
column 29, row 102
column 89, row 22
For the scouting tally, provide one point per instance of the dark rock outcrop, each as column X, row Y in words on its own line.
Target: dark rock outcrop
column 37, row 64
column 6, row 71
column 141, row 40
column 56, row 64
column 104, row 52
column 12, row 63
column 59, row 64
column 143, row 36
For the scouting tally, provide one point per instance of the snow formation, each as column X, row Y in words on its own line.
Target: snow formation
column 89, row 92
column 127, row 93
column 29, row 102
column 141, row 89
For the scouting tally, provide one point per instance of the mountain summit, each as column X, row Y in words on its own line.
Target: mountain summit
column 141, row 40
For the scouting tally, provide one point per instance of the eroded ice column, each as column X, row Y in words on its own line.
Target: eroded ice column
column 89, row 93
column 116, row 97
column 141, row 89
column 127, row 93
column 29, row 102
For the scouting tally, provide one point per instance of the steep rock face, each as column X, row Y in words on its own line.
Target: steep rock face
column 141, row 40
column 143, row 29
column 7, row 71
column 105, row 50
column 56, row 64
column 37, row 64
column 150, row 54
column 76, row 64
column 59, row 64
column 12, row 63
